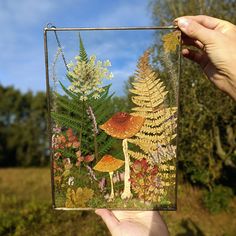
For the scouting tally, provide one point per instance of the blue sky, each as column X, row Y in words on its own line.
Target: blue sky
column 22, row 23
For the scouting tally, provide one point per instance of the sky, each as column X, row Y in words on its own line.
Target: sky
column 22, row 23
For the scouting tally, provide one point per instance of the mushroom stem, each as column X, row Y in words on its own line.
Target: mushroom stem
column 112, row 187
column 126, row 193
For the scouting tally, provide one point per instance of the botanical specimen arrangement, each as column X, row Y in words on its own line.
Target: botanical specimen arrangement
column 106, row 159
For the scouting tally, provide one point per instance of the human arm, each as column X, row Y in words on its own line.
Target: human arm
column 216, row 40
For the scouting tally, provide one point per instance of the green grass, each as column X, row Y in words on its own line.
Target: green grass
column 25, row 209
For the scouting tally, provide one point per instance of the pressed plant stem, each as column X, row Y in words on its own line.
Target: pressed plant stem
column 81, row 126
column 93, row 118
column 112, row 187
column 95, row 146
column 127, row 193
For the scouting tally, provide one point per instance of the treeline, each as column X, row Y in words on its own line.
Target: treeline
column 23, row 128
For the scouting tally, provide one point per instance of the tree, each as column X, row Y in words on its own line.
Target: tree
column 22, row 128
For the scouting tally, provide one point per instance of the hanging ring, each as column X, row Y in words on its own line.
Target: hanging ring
column 50, row 25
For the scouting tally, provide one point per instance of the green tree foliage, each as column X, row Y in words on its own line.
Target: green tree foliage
column 207, row 126
column 218, row 199
column 22, row 128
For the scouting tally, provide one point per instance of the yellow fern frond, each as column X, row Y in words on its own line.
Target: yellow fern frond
column 149, row 97
column 162, row 139
column 164, row 167
column 137, row 155
column 150, row 130
column 146, row 145
column 168, row 176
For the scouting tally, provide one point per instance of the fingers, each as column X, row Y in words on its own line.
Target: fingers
column 195, row 30
column 196, row 56
column 130, row 215
column 192, row 42
column 108, row 217
column 207, row 21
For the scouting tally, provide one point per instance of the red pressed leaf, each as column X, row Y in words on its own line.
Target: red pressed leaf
column 76, row 144
column 89, row 158
column 69, row 133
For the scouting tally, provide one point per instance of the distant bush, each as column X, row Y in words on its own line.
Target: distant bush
column 218, row 199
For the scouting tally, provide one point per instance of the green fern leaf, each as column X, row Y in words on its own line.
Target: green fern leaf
column 68, row 92
column 70, row 106
column 104, row 149
column 82, row 51
column 66, row 121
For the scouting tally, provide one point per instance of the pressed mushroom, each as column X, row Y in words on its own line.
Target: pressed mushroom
column 123, row 126
column 109, row 164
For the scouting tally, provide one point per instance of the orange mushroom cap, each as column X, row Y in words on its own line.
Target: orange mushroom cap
column 108, row 163
column 123, row 125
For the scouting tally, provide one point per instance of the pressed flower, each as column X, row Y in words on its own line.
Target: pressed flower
column 71, row 181
column 76, row 144
column 67, row 164
column 88, row 76
column 89, row 158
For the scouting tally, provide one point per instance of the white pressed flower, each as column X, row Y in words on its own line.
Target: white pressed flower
column 100, row 90
column 77, row 90
column 83, row 98
column 70, row 65
column 99, row 63
column 88, row 76
column 96, row 95
column 110, row 76
column 92, row 58
column 74, row 83
column 71, row 181
column 105, row 70
column 107, row 63
column 71, row 87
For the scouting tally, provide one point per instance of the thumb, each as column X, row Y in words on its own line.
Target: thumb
column 108, row 217
column 195, row 30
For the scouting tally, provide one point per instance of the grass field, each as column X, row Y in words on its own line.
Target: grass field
column 25, row 209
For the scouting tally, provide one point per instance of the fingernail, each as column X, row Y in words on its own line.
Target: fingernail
column 175, row 22
column 97, row 212
column 183, row 23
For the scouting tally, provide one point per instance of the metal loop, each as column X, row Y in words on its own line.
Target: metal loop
column 50, row 25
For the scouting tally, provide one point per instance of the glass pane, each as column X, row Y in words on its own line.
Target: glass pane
column 113, row 98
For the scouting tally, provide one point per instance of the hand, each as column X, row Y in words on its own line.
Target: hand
column 216, row 40
column 133, row 223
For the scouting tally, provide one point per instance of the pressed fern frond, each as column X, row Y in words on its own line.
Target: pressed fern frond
column 66, row 154
column 68, row 92
column 149, row 98
column 137, row 155
column 69, row 105
column 145, row 145
column 75, row 117
column 74, row 112
column 66, row 120
column 104, row 149
column 82, row 51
